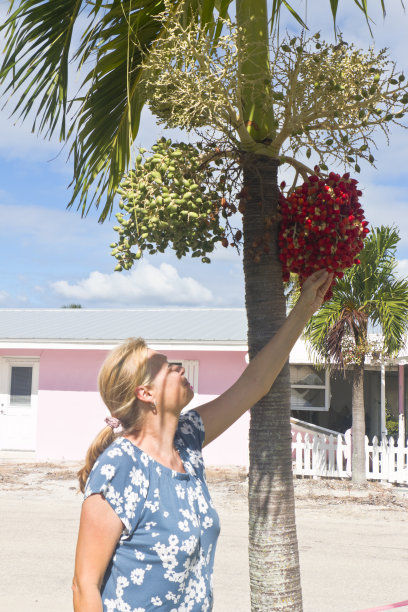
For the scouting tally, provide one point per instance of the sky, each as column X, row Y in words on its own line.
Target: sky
column 50, row 256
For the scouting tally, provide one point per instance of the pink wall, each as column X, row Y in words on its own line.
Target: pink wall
column 68, row 421
column 71, row 413
column 217, row 369
column 70, row 370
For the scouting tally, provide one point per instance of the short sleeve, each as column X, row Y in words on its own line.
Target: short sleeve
column 121, row 479
column 191, row 430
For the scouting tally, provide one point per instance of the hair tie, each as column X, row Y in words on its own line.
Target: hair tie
column 113, row 422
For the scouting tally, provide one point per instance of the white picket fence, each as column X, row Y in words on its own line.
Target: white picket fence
column 330, row 456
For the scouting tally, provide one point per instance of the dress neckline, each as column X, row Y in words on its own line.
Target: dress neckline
column 173, row 473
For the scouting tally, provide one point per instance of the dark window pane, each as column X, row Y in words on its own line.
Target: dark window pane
column 307, row 399
column 20, row 388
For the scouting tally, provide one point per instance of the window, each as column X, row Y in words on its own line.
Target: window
column 310, row 388
column 21, row 385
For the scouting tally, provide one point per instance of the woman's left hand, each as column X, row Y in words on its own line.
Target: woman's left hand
column 313, row 291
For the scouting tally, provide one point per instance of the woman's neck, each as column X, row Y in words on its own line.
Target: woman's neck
column 156, row 438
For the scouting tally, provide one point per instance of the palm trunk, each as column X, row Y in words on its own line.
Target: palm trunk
column 273, row 549
column 358, row 460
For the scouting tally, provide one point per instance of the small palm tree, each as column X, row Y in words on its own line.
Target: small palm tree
column 369, row 293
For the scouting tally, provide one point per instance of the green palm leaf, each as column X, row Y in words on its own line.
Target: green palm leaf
column 369, row 292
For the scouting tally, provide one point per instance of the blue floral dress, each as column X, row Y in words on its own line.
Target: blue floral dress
column 165, row 556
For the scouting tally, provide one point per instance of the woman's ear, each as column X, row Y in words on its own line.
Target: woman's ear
column 143, row 394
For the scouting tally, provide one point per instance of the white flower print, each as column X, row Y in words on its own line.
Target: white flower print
column 156, row 493
column 186, row 428
column 149, row 525
column 155, row 534
column 139, row 609
column 156, row 601
column 165, row 514
column 137, row 576
column 172, row 597
column 189, row 468
column 138, row 479
column 115, row 452
column 154, row 506
column 144, row 459
column 108, row 470
column 121, row 582
column 189, row 545
column 202, row 503
column 195, row 457
column 139, row 555
column 158, row 470
column 114, row 496
column 183, row 526
column 207, row 522
column 180, row 491
column 127, row 447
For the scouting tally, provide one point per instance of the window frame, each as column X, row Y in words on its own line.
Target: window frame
column 6, row 368
column 325, row 387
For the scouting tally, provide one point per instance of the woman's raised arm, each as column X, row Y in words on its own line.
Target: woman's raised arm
column 259, row 375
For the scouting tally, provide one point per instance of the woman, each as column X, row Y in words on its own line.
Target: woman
column 148, row 529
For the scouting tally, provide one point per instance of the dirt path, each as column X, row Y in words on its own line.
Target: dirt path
column 353, row 544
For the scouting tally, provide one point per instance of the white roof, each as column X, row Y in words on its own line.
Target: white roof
column 182, row 325
column 213, row 328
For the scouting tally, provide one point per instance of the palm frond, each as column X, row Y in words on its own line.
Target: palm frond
column 390, row 312
column 367, row 292
column 104, row 118
column 38, row 39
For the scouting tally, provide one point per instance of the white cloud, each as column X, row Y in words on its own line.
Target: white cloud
column 3, row 296
column 144, row 285
column 402, row 268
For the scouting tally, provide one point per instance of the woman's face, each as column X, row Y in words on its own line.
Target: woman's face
column 170, row 387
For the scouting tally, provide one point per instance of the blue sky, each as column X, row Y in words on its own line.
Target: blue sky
column 51, row 256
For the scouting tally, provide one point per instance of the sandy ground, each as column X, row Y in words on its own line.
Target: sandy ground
column 353, row 543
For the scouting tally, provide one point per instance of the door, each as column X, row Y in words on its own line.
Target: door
column 18, row 403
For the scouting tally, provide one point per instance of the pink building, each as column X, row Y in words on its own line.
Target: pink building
column 49, row 360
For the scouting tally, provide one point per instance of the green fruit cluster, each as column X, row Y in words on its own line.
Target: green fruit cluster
column 168, row 200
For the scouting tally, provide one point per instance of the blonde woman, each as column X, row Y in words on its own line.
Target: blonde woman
column 148, row 529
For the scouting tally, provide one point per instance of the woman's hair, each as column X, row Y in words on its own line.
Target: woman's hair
column 124, row 369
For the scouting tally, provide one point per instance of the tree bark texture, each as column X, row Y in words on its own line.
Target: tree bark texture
column 358, row 460
column 273, row 547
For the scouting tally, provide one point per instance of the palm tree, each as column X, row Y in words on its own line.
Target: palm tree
column 101, row 122
column 368, row 294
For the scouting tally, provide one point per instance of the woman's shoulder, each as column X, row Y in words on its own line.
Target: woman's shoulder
column 120, row 457
column 120, row 450
column 117, row 466
column 191, row 429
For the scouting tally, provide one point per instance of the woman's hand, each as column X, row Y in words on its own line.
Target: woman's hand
column 313, row 291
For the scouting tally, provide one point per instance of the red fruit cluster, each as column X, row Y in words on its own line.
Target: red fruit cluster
column 322, row 227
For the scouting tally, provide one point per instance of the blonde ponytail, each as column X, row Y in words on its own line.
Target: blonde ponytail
column 102, row 441
column 124, row 369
